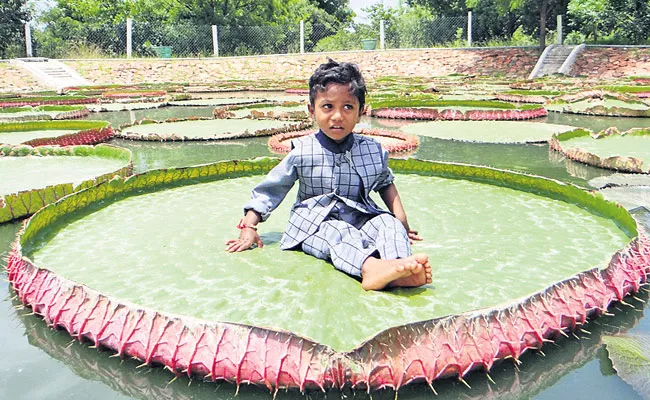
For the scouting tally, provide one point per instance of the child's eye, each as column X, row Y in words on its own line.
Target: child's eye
column 349, row 107
column 328, row 106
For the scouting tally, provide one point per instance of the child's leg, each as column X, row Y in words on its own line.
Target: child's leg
column 342, row 243
column 389, row 235
column 395, row 266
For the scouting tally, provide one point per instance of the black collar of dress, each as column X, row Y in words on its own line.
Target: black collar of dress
column 334, row 146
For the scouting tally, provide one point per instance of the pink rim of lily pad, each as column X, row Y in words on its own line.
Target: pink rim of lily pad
column 62, row 102
column 281, row 143
column 444, row 347
column 88, row 136
column 457, row 115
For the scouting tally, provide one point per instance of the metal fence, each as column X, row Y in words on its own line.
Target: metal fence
column 148, row 39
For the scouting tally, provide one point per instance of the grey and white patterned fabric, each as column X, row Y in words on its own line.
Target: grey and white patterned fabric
column 335, row 181
column 382, row 236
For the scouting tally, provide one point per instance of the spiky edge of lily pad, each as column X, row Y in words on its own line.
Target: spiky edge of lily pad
column 18, row 205
column 407, row 143
column 618, row 163
column 156, row 137
column 83, row 362
column 521, row 98
column 90, row 132
column 422, row 351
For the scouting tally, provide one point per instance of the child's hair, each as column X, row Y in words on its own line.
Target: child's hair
column 343, row 73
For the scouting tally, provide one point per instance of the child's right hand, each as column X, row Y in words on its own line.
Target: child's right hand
column 247, row 237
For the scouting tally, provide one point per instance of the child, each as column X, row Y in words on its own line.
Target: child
column 333, row 217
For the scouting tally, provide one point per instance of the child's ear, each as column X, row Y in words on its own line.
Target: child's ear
column 364, row 110
column 310, row 108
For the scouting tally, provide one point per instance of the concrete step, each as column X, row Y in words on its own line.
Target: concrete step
column 51, row 73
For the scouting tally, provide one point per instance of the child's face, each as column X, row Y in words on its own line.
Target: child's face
column 336, row 111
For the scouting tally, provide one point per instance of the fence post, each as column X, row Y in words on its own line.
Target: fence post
column 215, row 41
column 28, row 40
column 382, row 37
column 469, row 28
column 559, row 29
column 129, row 37
column 302, row 37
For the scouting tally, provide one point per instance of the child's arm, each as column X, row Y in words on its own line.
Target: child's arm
column 390, row 196
column 266, row 196
column 247, row 234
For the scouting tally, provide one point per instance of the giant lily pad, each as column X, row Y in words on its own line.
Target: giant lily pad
column 600, row 103
column 149, row 236
column 210, row 129
column 206, row 283
column 216, row 102
column 42, row 113
column 630, row 355
column 104, row 107
column 264, row 111
column 39, row 176
column 628, row 151
column 64, row 133
column 487, row 131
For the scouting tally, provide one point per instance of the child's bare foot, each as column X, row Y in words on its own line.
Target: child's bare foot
column 405, row 272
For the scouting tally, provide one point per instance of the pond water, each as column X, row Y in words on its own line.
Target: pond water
column 44, row 363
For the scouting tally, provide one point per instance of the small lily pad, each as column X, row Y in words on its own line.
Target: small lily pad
column 487, row 131
column 630, row 355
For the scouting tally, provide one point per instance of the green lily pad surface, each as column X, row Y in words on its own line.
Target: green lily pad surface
column 33, row 172
column 630, row 355
column 206, row 129
column 637, row 146
column 487, row 131
column 583, row 105
column 25, row 136
column 487, row 244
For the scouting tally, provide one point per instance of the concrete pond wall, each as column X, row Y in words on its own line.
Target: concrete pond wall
column 517, row 62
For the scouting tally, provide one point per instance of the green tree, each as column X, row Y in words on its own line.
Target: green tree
column 631, row 20
column 442, row 8
column 13, row 16
column 545, row 11
column 588, row 17
column 339, row 9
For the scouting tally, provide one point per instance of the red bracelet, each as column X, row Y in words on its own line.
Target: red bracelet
column 243, row 225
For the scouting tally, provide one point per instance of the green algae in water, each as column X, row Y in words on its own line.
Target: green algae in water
column 207, row 128
column 615, row 145
column 487, row 131
column 487, row 245
column 31, row 172
column 22, row 137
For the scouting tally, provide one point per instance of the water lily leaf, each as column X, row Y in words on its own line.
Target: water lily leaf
column 630, row 355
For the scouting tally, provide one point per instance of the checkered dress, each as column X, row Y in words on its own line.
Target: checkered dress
column 333, row 216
